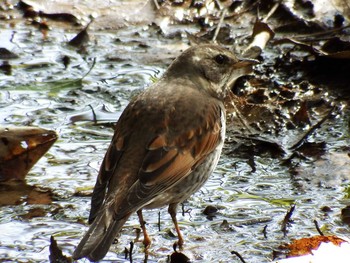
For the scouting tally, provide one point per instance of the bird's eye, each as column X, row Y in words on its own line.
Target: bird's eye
column 221, row 59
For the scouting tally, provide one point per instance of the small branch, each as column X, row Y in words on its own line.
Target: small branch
column 318, row 228
column 93, row 114
column 92, row 66
column 156, row 4
column 159, row 221
column 271, row 12
column 251, row 163
column 311, row 130
column 265, row 231
column 239, row 115
column 238, row 255
column 130, row 251
column 307, row 37
column 287, row 220
column 126, row 253
column 217, row 30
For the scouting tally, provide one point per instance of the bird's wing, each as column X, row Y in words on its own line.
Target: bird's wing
column 138, row 167
column 109, row 163
column 169, row 159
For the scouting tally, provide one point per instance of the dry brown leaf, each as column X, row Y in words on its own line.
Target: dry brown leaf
column 34, row 212
column 304, row 246
column 301, row 117
column 39, row 197
column 21, row 148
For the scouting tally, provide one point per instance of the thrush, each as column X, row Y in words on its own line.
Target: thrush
column 166, row 144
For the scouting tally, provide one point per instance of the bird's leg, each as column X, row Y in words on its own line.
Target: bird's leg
column 172, row 211
column 146, row 239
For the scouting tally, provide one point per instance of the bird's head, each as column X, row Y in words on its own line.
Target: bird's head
column 212, row 68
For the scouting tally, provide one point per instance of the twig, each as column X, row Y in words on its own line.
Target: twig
column 159, row 221
column 272, row 11
column 92, row 66
column 251, row 163
column 311, row 130
column 246, row 10
column 93, row 113
column 130, row 251
column 240, row 117
column 265, row 231
column 126, row 252
column 238, row 255
column 217, row 30
column 318, row 228
column 286, row 220
column 156, row 4
column 320, row 33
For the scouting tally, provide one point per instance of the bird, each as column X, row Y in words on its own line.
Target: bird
column 166, row 144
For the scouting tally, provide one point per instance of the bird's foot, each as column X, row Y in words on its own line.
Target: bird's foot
column 178, row 244
column 147, row 242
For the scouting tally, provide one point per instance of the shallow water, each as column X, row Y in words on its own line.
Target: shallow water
column 41, row 92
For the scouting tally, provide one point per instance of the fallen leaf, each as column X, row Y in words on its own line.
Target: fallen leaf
column 6, row 68
column 34, row 212
column 39, row 197
column 21, row 148
column 301, row 117
column 81, row 38
column 7, row 54
column 326, row 252
column 304, row 246
column 345, row 215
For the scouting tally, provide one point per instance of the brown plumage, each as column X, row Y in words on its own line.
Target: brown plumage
column 166, row 144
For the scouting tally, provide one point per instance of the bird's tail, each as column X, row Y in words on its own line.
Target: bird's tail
column 100, row 236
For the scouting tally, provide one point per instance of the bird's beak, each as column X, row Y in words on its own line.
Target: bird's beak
column 247, row 64
column 241, row 68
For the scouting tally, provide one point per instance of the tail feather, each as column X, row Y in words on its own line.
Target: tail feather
column 100, row 236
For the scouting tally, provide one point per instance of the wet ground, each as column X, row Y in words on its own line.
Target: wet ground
column 252, row 190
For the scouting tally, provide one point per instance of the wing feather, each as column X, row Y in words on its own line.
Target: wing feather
column 137, row 168
column 170, row 159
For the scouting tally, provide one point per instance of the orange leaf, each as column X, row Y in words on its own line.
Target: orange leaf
column 304, row 246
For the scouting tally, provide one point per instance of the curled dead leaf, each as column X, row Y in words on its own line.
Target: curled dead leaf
column 21, row 148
